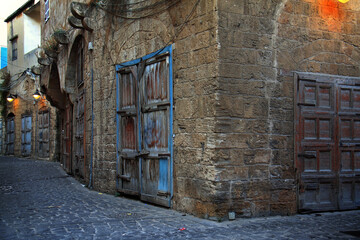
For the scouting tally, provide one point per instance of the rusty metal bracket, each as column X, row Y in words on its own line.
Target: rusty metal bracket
column 143, row 153
column 124, row 177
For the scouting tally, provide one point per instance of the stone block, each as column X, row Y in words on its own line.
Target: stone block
column 231, row 6
column 260, row 208
column 283, row 208
column 259, row 172
column 258, row 156
column 232, row 106
column 256, row 108
column 229, row 173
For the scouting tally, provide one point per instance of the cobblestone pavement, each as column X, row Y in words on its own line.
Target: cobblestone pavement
column 38, row 200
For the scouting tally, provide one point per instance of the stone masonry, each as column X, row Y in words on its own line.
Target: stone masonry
column 233, row 85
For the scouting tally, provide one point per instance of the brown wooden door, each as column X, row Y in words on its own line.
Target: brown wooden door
column 80, row 163
column 43, row 146
column 326, row 142
column 349, row 145
column 67, row 137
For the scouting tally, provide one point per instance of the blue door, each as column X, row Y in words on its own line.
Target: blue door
column 144, row 129
column 26, row 135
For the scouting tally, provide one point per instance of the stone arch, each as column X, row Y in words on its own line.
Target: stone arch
column 70, row 76
column 157, row 33
column 53, row 91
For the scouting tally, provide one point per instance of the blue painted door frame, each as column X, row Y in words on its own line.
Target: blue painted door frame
column 144, row 127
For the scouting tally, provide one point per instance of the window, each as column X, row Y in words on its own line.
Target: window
column 47, row 10
column 14, row 49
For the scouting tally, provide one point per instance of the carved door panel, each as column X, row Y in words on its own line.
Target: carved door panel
column 349, row 146
column 327, row 123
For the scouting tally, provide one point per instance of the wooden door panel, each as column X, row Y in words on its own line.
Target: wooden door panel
column 67, row 138
column 26, row 135
column 328, row 142
column 318, row 194
column 130, row 176
column 155, row 180
column 155, row 131
column 128, row 171
column 155, row 114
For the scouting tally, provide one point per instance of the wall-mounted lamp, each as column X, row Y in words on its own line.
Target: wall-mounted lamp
column 343, row 1
column 11, row 97
column 37, row 94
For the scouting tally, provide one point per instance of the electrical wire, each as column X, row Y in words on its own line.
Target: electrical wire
column 147, row 7
column 104, row 2
column 143, row 16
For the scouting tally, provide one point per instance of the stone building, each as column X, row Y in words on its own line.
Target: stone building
column 209, row 106
column 29, row 123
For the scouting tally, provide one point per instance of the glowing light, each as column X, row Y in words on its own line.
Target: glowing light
column 37, row 95
column 11, row 97
column 343, row 1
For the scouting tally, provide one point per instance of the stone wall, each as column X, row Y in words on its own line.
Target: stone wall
column 233, row 64
column 25, row 104
column 191, row 26
column 262, row 44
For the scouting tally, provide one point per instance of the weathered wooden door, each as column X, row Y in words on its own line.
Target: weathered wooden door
column 128, row 147
column 327, row 148
column 26, row 135
column 10, row 134
column 79, row 135
column 1, row 136
column 155, row 131
column 144, row 130
column 67, row 137
column 43, row 148
column 349, row 143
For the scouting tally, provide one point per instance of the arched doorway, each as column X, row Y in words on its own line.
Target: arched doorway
column 74, row 84
column 60, row 99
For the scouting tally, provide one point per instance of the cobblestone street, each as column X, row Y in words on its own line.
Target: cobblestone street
column 38, row 200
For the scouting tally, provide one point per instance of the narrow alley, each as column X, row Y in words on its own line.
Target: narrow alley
column 38, row 200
